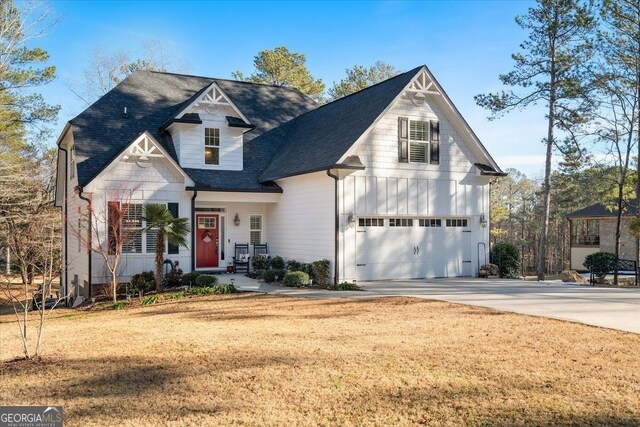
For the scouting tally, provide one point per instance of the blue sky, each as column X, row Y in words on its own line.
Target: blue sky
column 466, row 44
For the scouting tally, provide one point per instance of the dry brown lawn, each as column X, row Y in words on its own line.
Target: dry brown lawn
column 264, row 360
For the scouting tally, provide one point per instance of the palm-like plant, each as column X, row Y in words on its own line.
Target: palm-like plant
column 175, row 230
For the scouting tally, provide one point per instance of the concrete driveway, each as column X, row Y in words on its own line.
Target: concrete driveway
column 607, row 307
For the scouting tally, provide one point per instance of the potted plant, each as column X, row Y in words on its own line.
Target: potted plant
column 229, row 267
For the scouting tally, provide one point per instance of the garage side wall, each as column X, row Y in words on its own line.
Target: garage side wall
column 302, row 225
column 388, row 189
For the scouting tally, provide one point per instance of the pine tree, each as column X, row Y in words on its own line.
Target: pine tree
column 549, row 70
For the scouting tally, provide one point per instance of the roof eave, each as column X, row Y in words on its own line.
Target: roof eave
column 233, row 190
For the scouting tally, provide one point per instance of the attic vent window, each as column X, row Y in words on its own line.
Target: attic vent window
column 212, row 146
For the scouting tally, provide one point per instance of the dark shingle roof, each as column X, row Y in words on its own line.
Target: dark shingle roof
column 102, row 131
column 600, row 210
column 319, row 138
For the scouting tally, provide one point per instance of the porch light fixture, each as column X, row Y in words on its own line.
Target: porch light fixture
column 483, row 221
column 236, row 220
column 351, row 218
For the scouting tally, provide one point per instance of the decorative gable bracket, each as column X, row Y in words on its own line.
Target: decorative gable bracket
column 421, row 87
column 211, row 100
column 143, row 150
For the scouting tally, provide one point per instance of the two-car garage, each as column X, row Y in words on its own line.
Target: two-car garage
column 394, row 248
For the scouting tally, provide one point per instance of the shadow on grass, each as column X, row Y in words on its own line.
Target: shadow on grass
column 111, row 389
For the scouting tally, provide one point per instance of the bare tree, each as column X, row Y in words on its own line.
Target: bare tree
column 109, row 230
column 106, row 69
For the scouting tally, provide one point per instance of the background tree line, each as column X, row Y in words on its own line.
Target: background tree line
column 581, row 62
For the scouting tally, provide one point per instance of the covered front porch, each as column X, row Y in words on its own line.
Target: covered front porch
column 223, row 219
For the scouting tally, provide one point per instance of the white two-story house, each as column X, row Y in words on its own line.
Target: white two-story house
column 386, row 183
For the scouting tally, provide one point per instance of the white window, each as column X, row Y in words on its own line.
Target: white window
column 212, row 146
column 371, row 222
column 255, row 229
column 132, row 229
column 400, row 222
column 429, row 222
column 72, row 161
column 456, row 222
column 418, row 141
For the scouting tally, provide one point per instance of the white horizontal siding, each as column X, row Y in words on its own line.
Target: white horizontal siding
column 301, row 226
column 156, row 183
column 380, row 149
column 189, row 141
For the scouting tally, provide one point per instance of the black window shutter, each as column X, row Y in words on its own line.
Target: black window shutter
column 435, row 143
column 173, row 208
column 403, row 139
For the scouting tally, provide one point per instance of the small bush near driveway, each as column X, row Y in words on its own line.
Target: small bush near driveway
column 296, row 278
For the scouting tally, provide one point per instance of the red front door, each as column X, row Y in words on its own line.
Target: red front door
column 207, row 241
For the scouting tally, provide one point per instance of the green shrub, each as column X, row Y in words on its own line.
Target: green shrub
column 206, row 281
column 225, row 289
column 277, row 263
column 347, row 286
column 273, row 275
column 189, row 279
column 321, row 271
column 260, row 263
column 507, row 257
column 601, row 263
column 173, row 279
column 141, row 282
column 293, row 265
column 149, row 299
column 120, row 305
column 201, row 291
column 296, row 278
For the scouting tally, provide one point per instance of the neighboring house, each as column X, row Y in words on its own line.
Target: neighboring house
column 387, row 183
column 593, row 229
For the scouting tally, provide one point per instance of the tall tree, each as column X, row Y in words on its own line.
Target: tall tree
column 360, row 77
column 619, row 45
column 167, row 228
column 549, row 70
column 106, row 69
column 281, row 67
column 23, row 68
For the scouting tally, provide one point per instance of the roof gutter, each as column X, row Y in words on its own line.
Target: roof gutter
column 336, row 277
column 90, row 245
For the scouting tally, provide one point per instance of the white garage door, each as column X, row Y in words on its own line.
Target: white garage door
column 403, row 248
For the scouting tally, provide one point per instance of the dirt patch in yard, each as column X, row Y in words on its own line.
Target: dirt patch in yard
column 269, row 360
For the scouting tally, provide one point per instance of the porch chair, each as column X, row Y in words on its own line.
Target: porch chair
column 260, row 249
column 241, row 258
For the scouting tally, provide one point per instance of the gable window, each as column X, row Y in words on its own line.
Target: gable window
column 212, row 146
column 72, row 161
column 255, row 229
column 418, row 141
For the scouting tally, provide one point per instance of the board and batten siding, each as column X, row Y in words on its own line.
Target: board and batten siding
column 302, row 225
column 189, row 141
column 387, row 187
